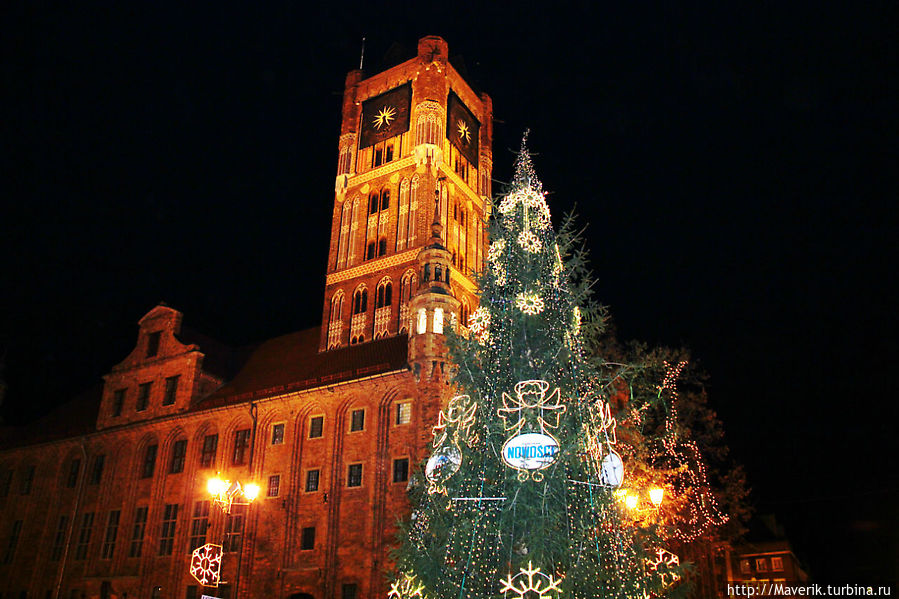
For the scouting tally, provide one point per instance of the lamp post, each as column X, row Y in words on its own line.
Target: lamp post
column 225, row 494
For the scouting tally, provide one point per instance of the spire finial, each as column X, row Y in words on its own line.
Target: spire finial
column 525, row 176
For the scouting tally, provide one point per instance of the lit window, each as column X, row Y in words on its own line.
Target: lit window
column 278, row 434
column 777, row 564
column 316, row 425
column 745, row 568
column 354, row 475
column 403, row 412
column 761, row 565
column 357, row 421
column 422, row 322
column 438, row 320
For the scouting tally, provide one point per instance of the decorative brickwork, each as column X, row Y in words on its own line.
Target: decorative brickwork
column 108, row 496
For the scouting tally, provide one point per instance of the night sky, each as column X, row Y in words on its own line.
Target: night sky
column 735, row 162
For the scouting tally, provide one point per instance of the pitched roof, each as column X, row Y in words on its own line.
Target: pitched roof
column 292, row 363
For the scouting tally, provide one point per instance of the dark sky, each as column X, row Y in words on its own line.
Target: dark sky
column 736, row 163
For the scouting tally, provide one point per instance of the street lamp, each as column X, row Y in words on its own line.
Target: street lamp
column 226, row 493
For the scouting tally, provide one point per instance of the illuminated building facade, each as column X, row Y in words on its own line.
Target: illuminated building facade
column 107, row 497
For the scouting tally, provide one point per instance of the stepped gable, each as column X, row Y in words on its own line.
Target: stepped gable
column 293, row 363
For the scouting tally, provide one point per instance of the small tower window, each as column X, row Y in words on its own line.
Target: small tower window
column 438, row 320
column 422, row 322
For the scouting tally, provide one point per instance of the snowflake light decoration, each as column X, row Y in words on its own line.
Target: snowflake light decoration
column 206, row 564
column 662, row 565
column 496, row 250
column 534, row 204
column 407, row 588
column 529, row 242
column 479, row 324
column 529, row 303
column 531, row 580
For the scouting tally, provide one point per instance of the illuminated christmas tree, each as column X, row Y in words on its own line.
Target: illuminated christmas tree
column 522, row 493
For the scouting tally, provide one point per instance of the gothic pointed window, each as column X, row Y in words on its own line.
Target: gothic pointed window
column 384, row 294
column 360, row 301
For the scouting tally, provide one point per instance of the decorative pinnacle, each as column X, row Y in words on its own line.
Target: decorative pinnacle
column 436, row 227
column 525, row 175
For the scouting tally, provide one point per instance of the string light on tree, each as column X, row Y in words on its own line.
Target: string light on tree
column 520, row 499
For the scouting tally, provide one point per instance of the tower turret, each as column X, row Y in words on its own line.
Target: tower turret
column 433, row 308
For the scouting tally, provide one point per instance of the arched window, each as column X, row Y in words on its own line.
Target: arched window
column 382, row 246
column 407, row 287
column 385, row 199
column 385, row 293
column 336, row 307
column 373, row 203
column 360, row 301
column 463, row 314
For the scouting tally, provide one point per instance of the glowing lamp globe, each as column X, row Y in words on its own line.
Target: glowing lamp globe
column 656, row 495
column 216, row 486
column 251, row 491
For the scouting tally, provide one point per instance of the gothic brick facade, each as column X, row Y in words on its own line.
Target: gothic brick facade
column 106, row 497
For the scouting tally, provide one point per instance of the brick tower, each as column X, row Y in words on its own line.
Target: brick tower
column 410, row 134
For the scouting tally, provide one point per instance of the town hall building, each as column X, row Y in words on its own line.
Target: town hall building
column 108, row 496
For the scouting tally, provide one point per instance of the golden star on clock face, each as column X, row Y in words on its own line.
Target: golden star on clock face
column 384, row 116
column 464, row 131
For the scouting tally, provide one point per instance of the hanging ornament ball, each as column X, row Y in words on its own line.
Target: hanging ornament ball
column 443, row 464
column 612, row 473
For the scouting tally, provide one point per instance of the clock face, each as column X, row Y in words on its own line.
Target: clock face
column 612, row 470
column 462, row 128
column 385, row 115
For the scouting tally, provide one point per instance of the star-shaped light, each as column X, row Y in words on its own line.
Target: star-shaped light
column 384, row 116
column 531, row 580
column 464, row 131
